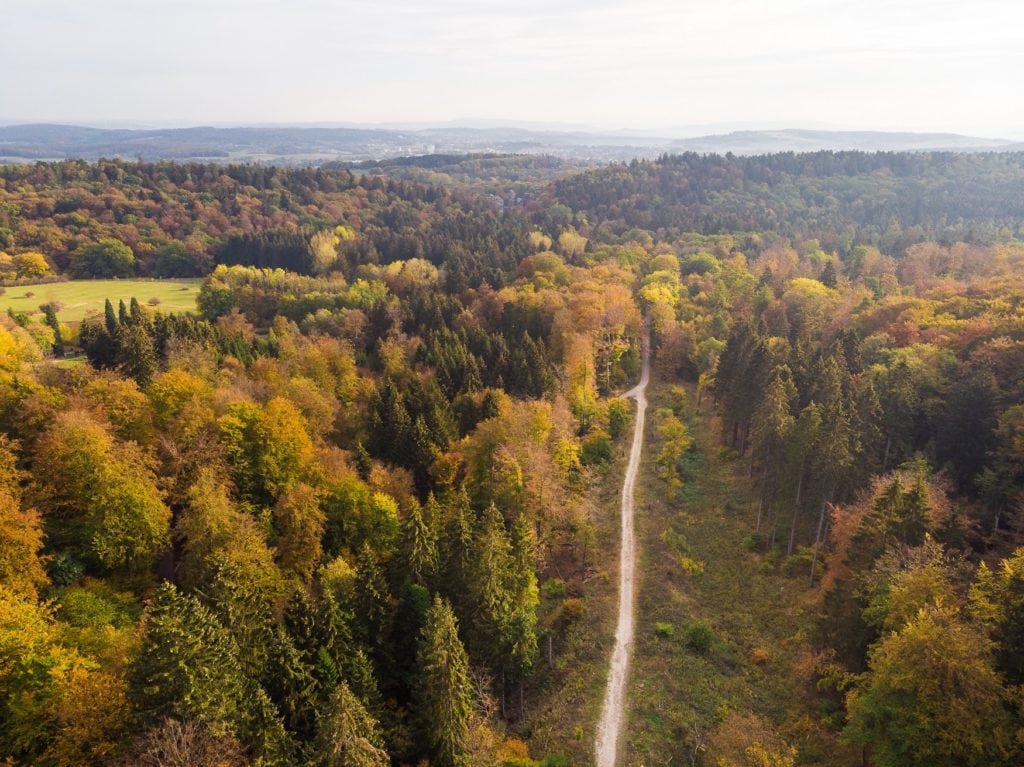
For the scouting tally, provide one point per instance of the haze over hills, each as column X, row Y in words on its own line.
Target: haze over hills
column 318, row 144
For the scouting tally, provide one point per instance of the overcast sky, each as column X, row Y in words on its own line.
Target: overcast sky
column 950, row 65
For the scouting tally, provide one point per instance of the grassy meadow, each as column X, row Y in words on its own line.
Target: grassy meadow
column 701, row 667
column 79, row 298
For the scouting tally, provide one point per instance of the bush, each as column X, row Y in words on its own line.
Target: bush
column 65, row 570
column 754, row 542
column 618, row 417
column 664, row 630
column 573, row 609
column 154, row 301
column 597, row 449
column 699, row 636
column 799, row 562
column 553, row 588
column 555, row 760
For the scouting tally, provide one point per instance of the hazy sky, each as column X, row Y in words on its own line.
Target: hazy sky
column 953, row 65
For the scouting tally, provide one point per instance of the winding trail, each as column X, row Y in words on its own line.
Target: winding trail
column 613, row 711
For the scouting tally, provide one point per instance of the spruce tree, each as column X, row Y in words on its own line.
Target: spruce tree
column 188, row 665
column 347, row 735
column 445, row 693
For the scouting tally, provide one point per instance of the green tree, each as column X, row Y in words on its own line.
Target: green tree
column 420, row 543
column 188, row 665
column 347, row 735
column 445, row 693
column 106, row 258
column 136, row 353
column 50, row 314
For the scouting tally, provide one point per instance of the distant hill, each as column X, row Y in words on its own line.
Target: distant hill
column 316, row 145
column 792, row 140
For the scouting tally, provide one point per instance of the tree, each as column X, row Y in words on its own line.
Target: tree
column 445, row 693
column 931, row 698
column 186, row 744
column 21, row 534
column 136, row 354
column 106, row 258
column 997, row 599
column 31, row 265
column 772, row 421
column 99, row 496
column 299, row 522
column 188, row 665
column 347, row 736
column 50, row 313
column 420, row 543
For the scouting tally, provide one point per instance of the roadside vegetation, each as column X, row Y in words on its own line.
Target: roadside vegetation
column 360, row 506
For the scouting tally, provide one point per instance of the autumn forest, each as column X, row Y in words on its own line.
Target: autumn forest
column 357, row 504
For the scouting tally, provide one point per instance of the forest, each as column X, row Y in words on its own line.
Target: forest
column 353, row 509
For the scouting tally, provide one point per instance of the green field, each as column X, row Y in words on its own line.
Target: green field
column 81, row 297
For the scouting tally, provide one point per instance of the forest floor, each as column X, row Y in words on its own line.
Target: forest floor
column 79, row 298
column 721, row 629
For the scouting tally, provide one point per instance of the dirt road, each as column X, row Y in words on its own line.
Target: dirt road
column 607, row 743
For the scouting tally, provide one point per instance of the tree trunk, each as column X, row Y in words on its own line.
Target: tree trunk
column 796, row 513
column 818, row 538
column 764, row 488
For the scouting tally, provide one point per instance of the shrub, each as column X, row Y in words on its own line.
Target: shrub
column 65, row 570
column 690, row 565
column 553, row 588
column 573, row 609
column 597, row 449
column 664, row 630
column 618, row 417
column 154, row 301
column 759, row 655
column 699, row 636
column 754, row 542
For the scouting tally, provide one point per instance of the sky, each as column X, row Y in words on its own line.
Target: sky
column 657, row 65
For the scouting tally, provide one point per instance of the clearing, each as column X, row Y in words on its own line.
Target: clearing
column 79, row 298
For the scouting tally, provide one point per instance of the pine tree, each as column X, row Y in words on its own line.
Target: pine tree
column 373, row 606
column 490, row 589
column 526, row 597
column 445, row 693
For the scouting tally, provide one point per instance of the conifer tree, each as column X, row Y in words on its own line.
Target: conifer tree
column 420, row 544
column 110, row 319
column 188, row 665
column 445, row 693
column 347, row 735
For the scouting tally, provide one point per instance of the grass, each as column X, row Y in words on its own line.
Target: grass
column 740, row 623
column 82, row 297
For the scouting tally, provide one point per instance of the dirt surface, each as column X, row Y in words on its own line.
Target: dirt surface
column 606, row 747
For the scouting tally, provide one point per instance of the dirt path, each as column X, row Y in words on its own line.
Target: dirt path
column 612, row 713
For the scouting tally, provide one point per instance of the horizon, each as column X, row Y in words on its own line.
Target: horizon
column 680, row 132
